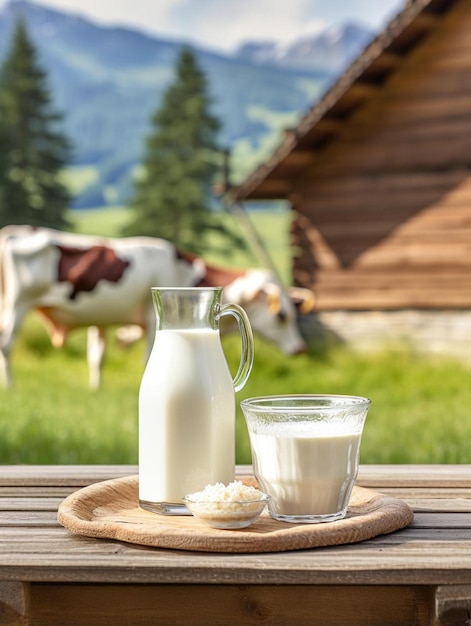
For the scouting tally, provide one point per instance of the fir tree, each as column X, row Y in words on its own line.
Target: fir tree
column 33, row 149
column 173, row 195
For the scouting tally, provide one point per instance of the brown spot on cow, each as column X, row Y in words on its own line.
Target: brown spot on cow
column 213, row 276
column 83, row 269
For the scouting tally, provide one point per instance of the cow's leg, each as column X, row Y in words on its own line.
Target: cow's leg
column 95, row 354
column 5, row 372
column 10, row 322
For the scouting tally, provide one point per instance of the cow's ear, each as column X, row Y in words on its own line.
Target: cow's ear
column 303, row 299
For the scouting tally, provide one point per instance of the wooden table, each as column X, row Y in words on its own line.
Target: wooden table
column 417, row 576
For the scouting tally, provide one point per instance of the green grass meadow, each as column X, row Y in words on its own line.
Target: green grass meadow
column 420, row 409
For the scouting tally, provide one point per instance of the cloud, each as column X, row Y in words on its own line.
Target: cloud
column 224, row 24
column 144, row 14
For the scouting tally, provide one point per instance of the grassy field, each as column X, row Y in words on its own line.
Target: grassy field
column 419, row 414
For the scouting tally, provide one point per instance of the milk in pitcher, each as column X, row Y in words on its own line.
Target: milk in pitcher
column 187, row 398
column 186, row 416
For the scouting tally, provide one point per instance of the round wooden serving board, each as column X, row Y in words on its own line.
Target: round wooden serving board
column 110, row 510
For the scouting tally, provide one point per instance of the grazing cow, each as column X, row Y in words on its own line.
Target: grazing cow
column 82, row 281
column 86, row 281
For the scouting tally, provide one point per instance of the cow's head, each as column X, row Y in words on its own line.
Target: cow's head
column 271, row 310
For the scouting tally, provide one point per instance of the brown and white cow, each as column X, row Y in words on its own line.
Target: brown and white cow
column 82, row 281
column 87, row 281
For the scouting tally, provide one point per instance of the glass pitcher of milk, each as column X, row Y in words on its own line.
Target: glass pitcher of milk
column 187, row 399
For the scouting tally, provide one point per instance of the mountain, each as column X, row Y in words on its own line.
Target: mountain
column 327, row 52
column 108, row 81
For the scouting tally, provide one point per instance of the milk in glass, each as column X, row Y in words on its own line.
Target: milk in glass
column 307, row 469
column 305, row 452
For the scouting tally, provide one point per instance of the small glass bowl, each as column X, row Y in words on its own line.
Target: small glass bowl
column 226, row 514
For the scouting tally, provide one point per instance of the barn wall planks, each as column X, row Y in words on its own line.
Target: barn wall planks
column 382, row 216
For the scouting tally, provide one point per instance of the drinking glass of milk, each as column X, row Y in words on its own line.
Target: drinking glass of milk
column 187, row 399
column 305, row 453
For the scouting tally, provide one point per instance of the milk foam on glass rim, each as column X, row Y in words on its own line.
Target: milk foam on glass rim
column 305, row 452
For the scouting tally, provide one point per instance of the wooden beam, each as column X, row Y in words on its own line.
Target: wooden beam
column 353, row 97
column 297, row 159
column 383, row 64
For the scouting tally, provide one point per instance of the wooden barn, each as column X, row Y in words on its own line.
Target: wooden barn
column 378, row 174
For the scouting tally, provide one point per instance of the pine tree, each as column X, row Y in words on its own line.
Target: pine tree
column 34, row 151
column 173, row 196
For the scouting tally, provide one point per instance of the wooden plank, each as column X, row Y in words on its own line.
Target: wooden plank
column 412, row 556
column 439, row 520
column 57, row 544
column 27, row 503
column 407, row 279
column 400, row 112
column 426, row 502
column 439, row 504
column 389, row 182
column 41, row 479
column 400, row 249
column 363, row 156
column 38, row 491
column 408, row 557
column 454, row 59
column 406, row 108
column 383, row 263
column 425, row 295
column 432, row 532
column 453, row 605
column 28, row 518
column 222, row 605
column 13, row 603
column 374, row 257
column 419, row 475
column 382, row 298
column 382, row 65
column 38, row 547
column 457, row 18
column 439, row 130
column 390, row 300
column 419, row 231
column 60, row 475
column 414, row 255
column 411, row 81
column 391, row 204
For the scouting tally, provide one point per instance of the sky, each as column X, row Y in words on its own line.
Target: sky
column 223, row 24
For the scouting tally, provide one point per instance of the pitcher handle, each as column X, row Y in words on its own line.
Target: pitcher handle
column 246, row 358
